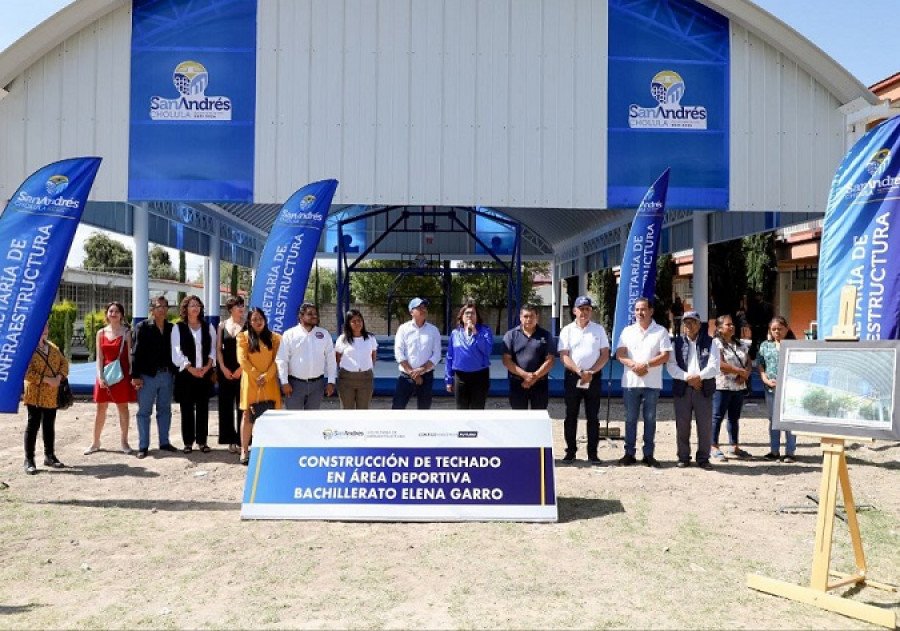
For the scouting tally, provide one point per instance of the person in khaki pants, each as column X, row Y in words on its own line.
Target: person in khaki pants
column 356, row 351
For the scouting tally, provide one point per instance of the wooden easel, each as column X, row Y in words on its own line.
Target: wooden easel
column 834, row 472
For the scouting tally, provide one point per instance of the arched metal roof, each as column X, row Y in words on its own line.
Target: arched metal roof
column 552, row 225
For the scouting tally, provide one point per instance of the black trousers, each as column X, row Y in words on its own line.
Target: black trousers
column 470, row 389
column 592, row 398
column 537, row 396
column 229, row 400
column 38, row 418
column 193, row 401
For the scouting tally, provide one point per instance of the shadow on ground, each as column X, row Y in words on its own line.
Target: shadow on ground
column 158, row 504
column 576, row 508
column 10, row 610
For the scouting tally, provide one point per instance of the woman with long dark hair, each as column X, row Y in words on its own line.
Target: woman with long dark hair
column 356, row 351
column 732, row 384
column 46, row 370
column 257, row 347
column 194, row 356
column 113, row 343
column 469, row 359
column 230, row 413
column 768, row 370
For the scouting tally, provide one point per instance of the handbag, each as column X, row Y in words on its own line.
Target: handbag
column 112, row 372
column 64, row 396
column 260, row 407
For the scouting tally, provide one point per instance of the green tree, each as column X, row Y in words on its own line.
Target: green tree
column 727, row 276
column 662, row 301
column 160, row 265
column 104, row 254
column 182, row 274
column 62, row 324
column 373, row 287
column 226, row 271
column 322, row 286
column 490, row 290
column 234, row 280
column 602, row 284
column 762, row 264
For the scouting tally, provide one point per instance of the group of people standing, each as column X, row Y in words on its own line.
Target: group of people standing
column 257, row 369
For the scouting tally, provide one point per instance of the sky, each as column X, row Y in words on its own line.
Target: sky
column 859, row 34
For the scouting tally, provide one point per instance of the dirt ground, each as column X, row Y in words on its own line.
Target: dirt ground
column 116, row 542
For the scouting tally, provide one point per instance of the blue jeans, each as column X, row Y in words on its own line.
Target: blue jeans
column 637, row 401
column 730, row 403
column 406, row 388
column 790, row 441
column 159, row 389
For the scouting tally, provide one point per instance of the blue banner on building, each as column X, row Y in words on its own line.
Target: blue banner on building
column 37, row 229
column 500, row 237
column 354, row 232
column 638, row 275
column 861, row 237
column 668, row 102
column 283, row 268
column 193, row 100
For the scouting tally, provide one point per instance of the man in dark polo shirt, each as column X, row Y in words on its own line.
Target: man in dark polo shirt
column 152, row 369
column 528, row 352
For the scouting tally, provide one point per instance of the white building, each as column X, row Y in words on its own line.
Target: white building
column 555, row 112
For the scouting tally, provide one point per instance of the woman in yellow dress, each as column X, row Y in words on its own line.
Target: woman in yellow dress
column 257, row 348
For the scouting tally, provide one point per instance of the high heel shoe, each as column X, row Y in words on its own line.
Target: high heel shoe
column 91, row 450
column 245, row 459
column 126, row 449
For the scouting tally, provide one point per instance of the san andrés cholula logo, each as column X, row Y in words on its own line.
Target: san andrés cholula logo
column 52, row 202
column 667, row 88
column 191, row 79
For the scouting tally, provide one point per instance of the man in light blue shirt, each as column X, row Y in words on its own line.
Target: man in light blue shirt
column 417, row 349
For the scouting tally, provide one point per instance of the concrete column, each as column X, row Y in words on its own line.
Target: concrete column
column 555, row 287
column 213, row 280
column 140, row 286
column 701, row 264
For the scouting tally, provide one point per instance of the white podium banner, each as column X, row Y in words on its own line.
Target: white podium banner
column 402, row 465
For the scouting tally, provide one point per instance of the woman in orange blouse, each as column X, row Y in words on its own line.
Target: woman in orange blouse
column 45, row 372
column 257, row 347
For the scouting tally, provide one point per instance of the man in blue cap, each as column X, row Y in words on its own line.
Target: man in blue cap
column 584, row 351
column 417, row 349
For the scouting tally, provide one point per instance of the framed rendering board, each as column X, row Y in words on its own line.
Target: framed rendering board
column 839, row 388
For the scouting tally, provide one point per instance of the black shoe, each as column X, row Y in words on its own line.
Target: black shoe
column 683, row 464
column 650, row 461
column 168, row 447
column 570, row 457
column 142, row 453
column 706, row 465
column 594, row 459
column 53, row 461
column 627, row 460
column 30, row 467
column 771, row 456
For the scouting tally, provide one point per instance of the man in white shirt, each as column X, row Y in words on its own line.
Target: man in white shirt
column 305, row 361
column 693, row 365
column 584, row 351
column 417, row 349
column 643, row 348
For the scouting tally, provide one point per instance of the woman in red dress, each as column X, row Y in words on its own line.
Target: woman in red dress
column 113, row 342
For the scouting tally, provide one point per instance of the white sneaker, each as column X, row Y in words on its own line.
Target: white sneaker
column 91, row 450
column 127, row 450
